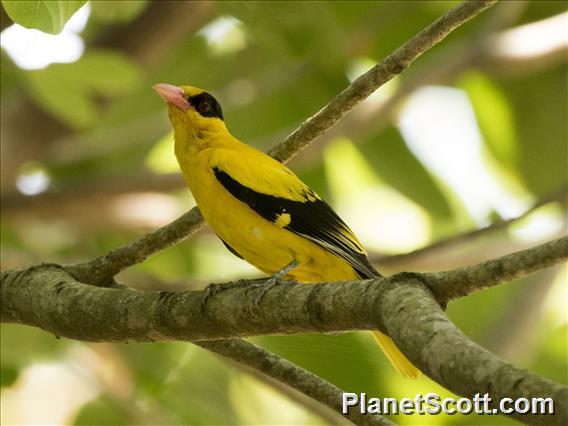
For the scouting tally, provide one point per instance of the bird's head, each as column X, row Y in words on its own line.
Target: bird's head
column 192, row 111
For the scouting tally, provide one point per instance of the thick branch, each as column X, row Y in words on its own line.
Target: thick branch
column 47, row 296
column 104, row 268
column 462, row 366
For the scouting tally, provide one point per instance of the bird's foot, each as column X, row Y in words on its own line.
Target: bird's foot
column 263, row 287
column 276, row 279
column 213, row 290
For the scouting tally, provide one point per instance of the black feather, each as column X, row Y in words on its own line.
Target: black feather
column 231, row 249
column 314, row 220
column 206, row 105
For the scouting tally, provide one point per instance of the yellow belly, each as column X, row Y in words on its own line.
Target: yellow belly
column 260, row 242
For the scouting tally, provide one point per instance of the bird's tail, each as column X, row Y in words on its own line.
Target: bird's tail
column 398, row 360
column 395, row 356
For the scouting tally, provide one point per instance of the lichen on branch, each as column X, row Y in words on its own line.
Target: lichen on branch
column 405, row 306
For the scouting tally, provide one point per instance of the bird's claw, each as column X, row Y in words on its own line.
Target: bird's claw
column 264, row 287
column 210, row 291
column 213, row 290
column 274, row 280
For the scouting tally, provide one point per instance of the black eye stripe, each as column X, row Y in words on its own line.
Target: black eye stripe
column 206, row 105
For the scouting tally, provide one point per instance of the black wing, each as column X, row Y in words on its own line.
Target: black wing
column 313, row 219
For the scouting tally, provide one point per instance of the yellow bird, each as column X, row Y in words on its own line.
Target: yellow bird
column 259, row 208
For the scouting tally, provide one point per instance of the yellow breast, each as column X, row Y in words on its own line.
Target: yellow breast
column 266, row 245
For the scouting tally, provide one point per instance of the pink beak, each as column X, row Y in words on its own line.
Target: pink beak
column 172, row 94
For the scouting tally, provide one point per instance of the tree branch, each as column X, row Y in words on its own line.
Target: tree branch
column 47, row 296
column 102, row 269
column 313, row 405
column 65, row 289
column 460, row 282
column 560, row 195
column 286, row 372
column 456, row 362
column 403, row 306
column 380, row 74
column 479, row 50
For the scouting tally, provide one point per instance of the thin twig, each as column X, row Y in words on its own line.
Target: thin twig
column 460, row 282
column 311, row 405
column 445, row 244
column 377, row 76
column 285, row 372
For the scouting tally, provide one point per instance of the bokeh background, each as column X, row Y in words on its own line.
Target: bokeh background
column 473, row 133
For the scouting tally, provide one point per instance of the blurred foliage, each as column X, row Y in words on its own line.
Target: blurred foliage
column 71, row 91
column 391, row 159
column 98, row 132
column 117, row 11
column 541, row 137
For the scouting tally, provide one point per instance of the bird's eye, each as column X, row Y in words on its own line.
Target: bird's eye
column 204, row 107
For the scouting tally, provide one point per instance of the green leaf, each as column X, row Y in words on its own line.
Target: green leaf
column 47, row 16
column 161, row 158
column 102, row 411
column 8, row 375
column 328, row 356
column 539, row 112
column 72, row 92
column 39, row 345
column 494, row 116
column 391, row 159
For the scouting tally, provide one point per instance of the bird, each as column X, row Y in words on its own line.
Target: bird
column 258, row 207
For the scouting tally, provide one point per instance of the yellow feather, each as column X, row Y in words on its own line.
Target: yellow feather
column 395, row 356
column 283, row 220
column 206, row 150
